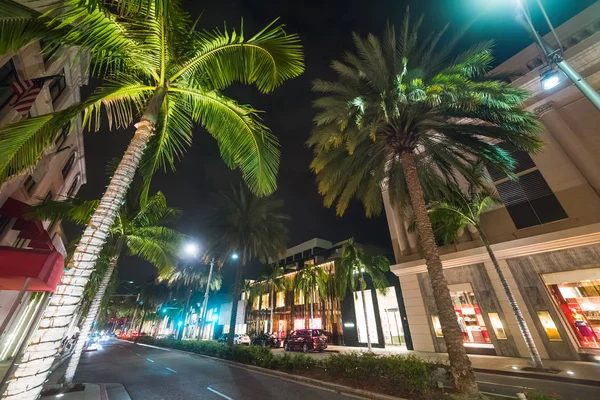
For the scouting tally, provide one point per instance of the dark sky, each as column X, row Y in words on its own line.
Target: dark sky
column 325, row 28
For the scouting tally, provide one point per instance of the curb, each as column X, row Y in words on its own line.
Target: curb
column 586, row 382
column 332, row 387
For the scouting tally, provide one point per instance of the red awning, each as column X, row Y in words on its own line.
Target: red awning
column 32, row 230
column 45, row 267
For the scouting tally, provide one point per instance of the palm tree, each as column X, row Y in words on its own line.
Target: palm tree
column 351, row 271
column 308, row 281
column 139, row 228
column 271, row 282
column 407, row 114
column 463, row 210
column 155, row 64
column 251, row 227
column 151, row 297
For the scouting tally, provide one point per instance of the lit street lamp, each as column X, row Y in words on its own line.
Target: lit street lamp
column 551, row 78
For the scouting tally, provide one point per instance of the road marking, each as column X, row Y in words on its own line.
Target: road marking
column 154, row 347
column 169, row 369
column 505, row 385
column 149, row 360
column 219, row 393
column 138, row 354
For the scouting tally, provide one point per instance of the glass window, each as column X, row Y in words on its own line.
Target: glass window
column 47, row 49
column 469, row 317
column 255, row 303
column 264, row 301
column 62, row 136
column 8, row 74
column 73, row 187
column 579, row 302
column 280, row 299
column 549, row 326
column 497, row 325
column 68, row 165
column 298, row 297
column 57, row 86
column 361, row 324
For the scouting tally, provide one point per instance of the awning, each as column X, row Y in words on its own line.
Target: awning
column 44, row 267
column 32, row 230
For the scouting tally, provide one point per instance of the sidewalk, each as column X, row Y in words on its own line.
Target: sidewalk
column 501, row 365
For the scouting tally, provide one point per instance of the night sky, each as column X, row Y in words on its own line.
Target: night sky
column 325, row 28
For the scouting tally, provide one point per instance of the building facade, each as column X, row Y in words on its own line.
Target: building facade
column 343, row 319
column 31, row 253
column 546, row 234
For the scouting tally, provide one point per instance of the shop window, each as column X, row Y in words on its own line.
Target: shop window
column 280, row 299
column 298, row 297
column 370, row 323
column 469, row 318
column 528, row 199
column 497, row 325
column 8, row 74
column 255, row 303
column 389, row 315
column 579, row 301
column 264, row 301
column 437, row 326
column 549, row 326
column 68, row 165
column 57, row 86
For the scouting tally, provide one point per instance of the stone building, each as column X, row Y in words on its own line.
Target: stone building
column 546, row 233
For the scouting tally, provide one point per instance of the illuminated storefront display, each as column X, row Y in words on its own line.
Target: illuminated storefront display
column 280, row 299
column 549, row 326
column 361, row 326
column 313, row 323
column 389, row 315
column 497, row 325
column 469, row 318
column 579, row 301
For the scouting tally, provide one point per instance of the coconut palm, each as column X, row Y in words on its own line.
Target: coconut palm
column 308, row 281
column 350, row 275
column 157, row 66
column 271, row 282
column 252, row 227
column 460, row 210
column 139, row 229
column 407, row 113
column 151, row 297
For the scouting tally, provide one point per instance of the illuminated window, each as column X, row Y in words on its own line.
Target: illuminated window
column 497, row 325
column 298, row 297
column 264, row 301
column 549, row 326
column 280, row 299
column 370, row 323
column 468, row 315
column 255, row 303
column 437, row 327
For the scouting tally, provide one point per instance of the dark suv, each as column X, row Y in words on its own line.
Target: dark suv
column 306, row 340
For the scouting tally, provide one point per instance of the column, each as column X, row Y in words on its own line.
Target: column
column 418, row 319
column 572, row 145
column 397, row 233
column 509, row 316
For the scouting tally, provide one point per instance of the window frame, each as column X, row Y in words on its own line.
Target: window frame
column 6, row 81
column 62, row 85
column 71, row 160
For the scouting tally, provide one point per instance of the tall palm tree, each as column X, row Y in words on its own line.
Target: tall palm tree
column 460, row 210
column 308, row 281
column 155, row 65
column 351, row 271
column 151, row 297
column 271, row 282
column 252, row 227
column 407, row 113
column 140, row 229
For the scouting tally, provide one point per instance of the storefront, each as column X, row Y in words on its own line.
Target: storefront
column 391, row 320
column 577, row 296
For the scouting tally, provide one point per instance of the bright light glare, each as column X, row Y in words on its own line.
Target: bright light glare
column 550, row 80
column 180, row 323
column 570, row 372
column 191, row 249
column 59, row 395
column 234, row 256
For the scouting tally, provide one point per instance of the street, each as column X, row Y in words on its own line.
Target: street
column 152, row 374
column 155, row 374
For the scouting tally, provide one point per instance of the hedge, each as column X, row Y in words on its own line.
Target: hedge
column 394, row 374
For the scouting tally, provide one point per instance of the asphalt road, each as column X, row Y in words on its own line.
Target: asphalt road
column 153, row 374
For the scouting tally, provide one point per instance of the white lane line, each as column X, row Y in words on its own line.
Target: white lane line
column 149, row 360
column 138, row 354
column 154, row 347
column 219, row 393
column 169, row 369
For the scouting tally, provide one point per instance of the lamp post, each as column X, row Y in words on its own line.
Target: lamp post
column 554, row 55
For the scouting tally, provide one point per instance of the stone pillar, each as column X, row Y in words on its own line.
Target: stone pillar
column 418, row 319
column 398, row 236
column 509, row 316
column 572, row 145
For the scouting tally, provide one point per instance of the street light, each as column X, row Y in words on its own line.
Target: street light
column 554, row 55
column 234, row 256
column 191, row 249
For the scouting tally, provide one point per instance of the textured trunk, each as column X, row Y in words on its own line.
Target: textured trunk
column 364, row 302
column 89, row 321
column 157, row 327
column 206, row 294
column 237, row 291
column 272, row 310
column 533, row 351
column 460, row 366
column 142, row 322
column 35, row 363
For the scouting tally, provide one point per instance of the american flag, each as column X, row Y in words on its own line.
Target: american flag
column 25, row 93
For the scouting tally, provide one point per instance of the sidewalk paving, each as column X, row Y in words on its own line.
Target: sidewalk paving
column 581, row 370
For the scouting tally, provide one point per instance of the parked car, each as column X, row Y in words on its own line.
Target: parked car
column 265, row 340
column 306, row 340
column 240, row 338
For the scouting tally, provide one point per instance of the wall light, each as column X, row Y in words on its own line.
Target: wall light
column 348, row 325
column 550, row 80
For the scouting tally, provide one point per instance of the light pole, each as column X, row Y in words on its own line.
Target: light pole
column 555, row 55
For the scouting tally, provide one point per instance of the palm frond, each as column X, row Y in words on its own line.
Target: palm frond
column 73, row 210
column 19, row 26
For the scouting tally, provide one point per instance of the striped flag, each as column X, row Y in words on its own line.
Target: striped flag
column 25, row 93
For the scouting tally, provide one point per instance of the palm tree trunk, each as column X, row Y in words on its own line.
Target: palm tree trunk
column 142, row 323
column 89, row 321
column 237, row 291
column 364, row 302
column 460, row 366
column 272, row 310
column 34, row 366
column 531, row 347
